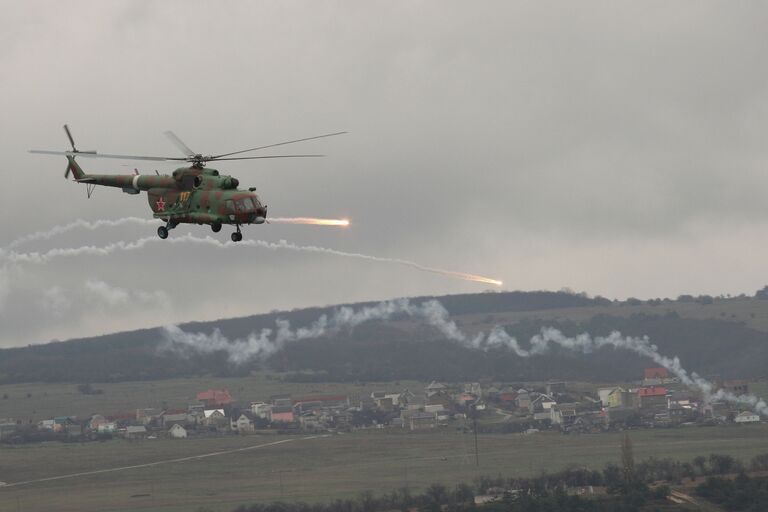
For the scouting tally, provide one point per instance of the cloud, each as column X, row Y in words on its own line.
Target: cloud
column 615, row 148
column 55, row 302
column 105, row 294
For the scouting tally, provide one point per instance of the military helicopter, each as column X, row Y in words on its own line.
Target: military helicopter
column 193, row 195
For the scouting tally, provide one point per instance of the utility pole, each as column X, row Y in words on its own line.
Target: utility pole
column 474, row 428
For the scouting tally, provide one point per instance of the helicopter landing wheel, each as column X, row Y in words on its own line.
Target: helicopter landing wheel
column 216, row 227
column 237, row 236
column 162, row 232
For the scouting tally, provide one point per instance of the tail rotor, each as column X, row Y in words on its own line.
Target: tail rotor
column 74, row 150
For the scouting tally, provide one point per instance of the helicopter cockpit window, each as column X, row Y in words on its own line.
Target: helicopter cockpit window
column 230, row 205
column 247, row 203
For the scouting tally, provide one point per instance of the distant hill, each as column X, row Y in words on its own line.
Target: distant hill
column 712, row 336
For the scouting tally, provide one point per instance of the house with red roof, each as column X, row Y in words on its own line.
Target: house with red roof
column 215, row 398
column 653, row 397
column 656, row 376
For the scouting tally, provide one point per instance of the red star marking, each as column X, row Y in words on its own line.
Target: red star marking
column 160, row 205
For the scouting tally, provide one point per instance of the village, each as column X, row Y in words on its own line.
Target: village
column 656, row 401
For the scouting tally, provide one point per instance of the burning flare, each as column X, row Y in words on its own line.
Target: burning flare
column 311, row 221
column 468, row 277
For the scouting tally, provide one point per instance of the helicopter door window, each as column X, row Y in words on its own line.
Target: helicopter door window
column 188, row 182
column 230, row 206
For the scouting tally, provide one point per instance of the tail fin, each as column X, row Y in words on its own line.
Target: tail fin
column 74, row 168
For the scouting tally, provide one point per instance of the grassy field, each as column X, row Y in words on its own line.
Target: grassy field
column 319, row 468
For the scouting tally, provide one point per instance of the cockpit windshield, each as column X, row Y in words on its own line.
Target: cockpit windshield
column 241, row 205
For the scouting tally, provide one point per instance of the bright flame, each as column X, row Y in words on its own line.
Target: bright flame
column 310, row 221
column 473, row 277
column 461, row 275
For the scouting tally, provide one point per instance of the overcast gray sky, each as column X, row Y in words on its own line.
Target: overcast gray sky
column 617, row 148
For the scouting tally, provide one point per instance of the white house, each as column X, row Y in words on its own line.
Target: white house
column 603, row 394
column 177, row 431
column 261, row 409
column 747, row 417
column 107, row 428
column 243, row 423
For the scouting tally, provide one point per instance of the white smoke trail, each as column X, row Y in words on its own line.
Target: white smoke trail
column 43, row 257
column 112, row 223
column 263, row 344
column 80, row 224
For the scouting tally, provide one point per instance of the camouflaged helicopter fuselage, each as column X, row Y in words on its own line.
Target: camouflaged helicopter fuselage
column 190, row 195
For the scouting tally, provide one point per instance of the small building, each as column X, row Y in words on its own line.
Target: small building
column 215, row 418
column 177, row 431
column 603, row 394
column 64, row 423
column 436, row 387
column 135, row 432
column 542, row 403
column 626, row 398
column 109, row 427
column 243, row 423
column 421, row 420
column 465, row 398
column 310, row 421
column 42, row 425
column 281, row 414
column 473, row 388
column 261, row 409
column 653, row 397
column 182, row 418
column 434, row 409
column 442, row 398
column 147, row 415
column 747, row 417
column 655, row 376
column 281, row 400
column 564, row 415
column 311, row 403
column 523, row 398
column 555, row 388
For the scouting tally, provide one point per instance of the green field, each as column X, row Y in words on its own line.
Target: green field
column 320, row 468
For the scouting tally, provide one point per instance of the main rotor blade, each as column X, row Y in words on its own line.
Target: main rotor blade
column 179, row 144
column 69, row 136
column 278, row 144
column 270, row 156
column 104, row 155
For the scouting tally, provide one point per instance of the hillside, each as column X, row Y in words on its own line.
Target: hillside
column 720, row 336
